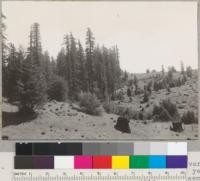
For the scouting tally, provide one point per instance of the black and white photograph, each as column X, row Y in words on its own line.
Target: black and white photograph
column 99, row 70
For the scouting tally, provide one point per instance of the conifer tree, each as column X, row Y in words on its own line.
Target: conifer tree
column 13, row 73
column 90, row 59
column 189, row 71
column 47, row 68
column 135, row 81
column 4, row 49
column 61, row 63
column 33, row 83
column 75, row 68
column 82, row 67
column 182, row 68
column 163, row 70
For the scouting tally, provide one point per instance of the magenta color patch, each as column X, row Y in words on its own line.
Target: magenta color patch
column 83, row 162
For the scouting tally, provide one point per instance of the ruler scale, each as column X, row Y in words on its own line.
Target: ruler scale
column 103, row 175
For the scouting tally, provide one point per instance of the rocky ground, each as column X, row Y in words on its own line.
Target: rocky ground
column 58, row 120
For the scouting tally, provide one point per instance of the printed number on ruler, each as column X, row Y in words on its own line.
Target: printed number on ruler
column 101, row 175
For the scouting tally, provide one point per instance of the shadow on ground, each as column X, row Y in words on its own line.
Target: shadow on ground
column 15, row 118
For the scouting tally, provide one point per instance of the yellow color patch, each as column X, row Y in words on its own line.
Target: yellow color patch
column 120, row 162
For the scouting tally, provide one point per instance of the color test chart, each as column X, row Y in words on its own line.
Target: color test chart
column 137, row 155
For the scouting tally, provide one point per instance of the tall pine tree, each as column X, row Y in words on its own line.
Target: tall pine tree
column 4, row 50
column 33, row 83
column 82, row 68
column 90, row 43
column 14, row 71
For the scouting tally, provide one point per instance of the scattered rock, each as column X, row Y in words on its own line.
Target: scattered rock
column 5, row 137
column 72, row 114
column 76, row 130
column 42, row 133
column 66, row 129
column 181, row 106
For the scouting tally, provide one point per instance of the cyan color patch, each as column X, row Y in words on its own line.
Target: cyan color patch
column 157, row 161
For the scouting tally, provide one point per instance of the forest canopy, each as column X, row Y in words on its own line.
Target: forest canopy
column 31, row 77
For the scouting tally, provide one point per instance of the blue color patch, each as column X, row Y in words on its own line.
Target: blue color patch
column 157, row 161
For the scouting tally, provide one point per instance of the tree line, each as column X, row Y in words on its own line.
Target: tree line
column 31, row 76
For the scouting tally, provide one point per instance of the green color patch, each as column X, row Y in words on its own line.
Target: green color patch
column 139, row 161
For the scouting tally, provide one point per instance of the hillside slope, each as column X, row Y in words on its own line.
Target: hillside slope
column 58, row 120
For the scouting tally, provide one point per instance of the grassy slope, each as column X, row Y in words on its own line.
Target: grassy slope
column 62, row 122
column 59, row 120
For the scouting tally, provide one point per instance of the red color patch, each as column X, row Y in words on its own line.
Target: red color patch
column 102, row 162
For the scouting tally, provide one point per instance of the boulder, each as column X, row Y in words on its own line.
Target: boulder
column 177, row 127
column 123, row 125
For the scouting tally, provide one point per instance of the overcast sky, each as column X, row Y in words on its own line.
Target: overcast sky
column 148, row 34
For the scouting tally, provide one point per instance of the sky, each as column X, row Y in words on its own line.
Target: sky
column 148, row 34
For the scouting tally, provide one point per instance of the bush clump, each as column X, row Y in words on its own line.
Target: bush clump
column 189, row 118
column 90, row 103
column 110, row 107
column 160, row 112
column 58, row 89
column 170, row 107
column 119, row 96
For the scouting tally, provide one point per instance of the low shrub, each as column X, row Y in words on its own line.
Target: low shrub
column 90, row 103
column 160, row 114
column 133, row 114
column 147, row 116
column 119, row 96
column 58, row 89
column 170, row 107
column 146, row 97
column 140, row 116
column 157, row 110
column 109, row 107
column 189, row 118
column 121, row 110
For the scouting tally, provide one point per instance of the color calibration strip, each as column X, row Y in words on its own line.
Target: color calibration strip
column 135, row 155
column 100, row 162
